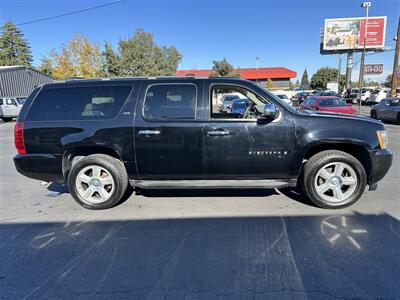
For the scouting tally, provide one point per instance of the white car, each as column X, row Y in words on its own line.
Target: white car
column 284, row 98
column 9, row 109
column 377, row 95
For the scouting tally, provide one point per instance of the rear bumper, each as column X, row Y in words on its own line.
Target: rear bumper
column 381, row 160
column 44, row 167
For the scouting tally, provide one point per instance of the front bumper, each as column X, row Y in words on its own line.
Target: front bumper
column 381, row 160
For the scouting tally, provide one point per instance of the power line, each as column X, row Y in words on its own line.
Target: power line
column 70, row 13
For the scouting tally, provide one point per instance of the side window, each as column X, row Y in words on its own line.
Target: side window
column 78, row 103
column 234, row 102
column 10, row 101
column 170, row 102
column 1, row 101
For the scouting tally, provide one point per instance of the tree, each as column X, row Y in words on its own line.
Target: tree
column 78, row 58
column 110, row 61
column 388, row 82
column 222, row 68
column 269, row 84
column 139, row 55
column 297, row 84
column 325, row 75
column 14, row 48
column 305, row 84
column 46, row 66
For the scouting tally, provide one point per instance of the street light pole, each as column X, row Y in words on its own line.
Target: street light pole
column 396, row 63
column 257, row 58
column 366, row 5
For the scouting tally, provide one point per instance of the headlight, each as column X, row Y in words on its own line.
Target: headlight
column 382, row 138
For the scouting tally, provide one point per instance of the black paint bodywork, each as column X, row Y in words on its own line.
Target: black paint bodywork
column 184, row 150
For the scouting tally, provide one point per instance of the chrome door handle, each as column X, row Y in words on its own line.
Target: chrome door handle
column 217, row 133
column 149, row 132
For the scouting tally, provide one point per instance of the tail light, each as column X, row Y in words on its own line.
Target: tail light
column 19, row 138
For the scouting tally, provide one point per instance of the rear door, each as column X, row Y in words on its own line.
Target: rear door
column 168, row 130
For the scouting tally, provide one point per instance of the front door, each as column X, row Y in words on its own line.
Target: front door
column 168, row 130
column 237, row 145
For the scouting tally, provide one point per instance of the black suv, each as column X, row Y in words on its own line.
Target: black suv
column 102, row 135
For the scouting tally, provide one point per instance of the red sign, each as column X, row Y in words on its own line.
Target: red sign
column 372, row 69
column 375, row 32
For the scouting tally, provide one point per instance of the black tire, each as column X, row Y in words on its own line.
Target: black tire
column 398, row 118
column 6, row 119
column 373, row 114
column 113, row 166
column 321, row 159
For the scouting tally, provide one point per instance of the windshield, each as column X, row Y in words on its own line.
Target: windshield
column 332, row 102
column 283, row 96
column 229, row 99
column 239, row 104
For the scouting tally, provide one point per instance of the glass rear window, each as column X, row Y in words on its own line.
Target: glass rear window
column 78, row 103
column 170, row 102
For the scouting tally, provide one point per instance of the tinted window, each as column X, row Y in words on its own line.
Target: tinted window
column 332, row 102
column 170, row 101
column 1, row 101
column 78, row 103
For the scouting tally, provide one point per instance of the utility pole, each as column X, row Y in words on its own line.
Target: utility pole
column 366, row 5
column 349, row 69
column 338, row 73
column 396, row 63
column 257, row 58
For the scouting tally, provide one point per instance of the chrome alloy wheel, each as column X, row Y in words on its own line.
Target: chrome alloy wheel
column 335, row 182
column 94, row 184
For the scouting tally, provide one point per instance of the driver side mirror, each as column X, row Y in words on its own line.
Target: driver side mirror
column 270, row 111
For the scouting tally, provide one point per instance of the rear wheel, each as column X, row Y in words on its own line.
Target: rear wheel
column 398, row 118
column 98, row 181
column 373, row 114
column 6, row 119
column 334, row 179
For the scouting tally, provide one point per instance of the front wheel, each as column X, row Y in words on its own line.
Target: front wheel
column 5, row 119
column 98, row 181
column 373, row 114
column 334, row 179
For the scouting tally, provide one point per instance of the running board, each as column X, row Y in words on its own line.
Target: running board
column 217, row 184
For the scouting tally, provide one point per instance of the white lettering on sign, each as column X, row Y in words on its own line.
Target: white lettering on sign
column 373, row 69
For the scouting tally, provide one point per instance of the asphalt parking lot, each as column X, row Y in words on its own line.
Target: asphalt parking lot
column 200, row 244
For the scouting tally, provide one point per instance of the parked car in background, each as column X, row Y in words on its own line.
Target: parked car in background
column 388, row 94
column 301, row 97
column 284, row 99
column 377, row 95
column 328, row 104
column 239, row 106
column 388, row 109
column 227, row 103
column 9, row 109
column 326, row 93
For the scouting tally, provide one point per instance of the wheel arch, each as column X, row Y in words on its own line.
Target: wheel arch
column 82, row 151
column 359, row 151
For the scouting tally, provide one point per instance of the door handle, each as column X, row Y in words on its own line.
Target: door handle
column 149, row 132
column 218, row 133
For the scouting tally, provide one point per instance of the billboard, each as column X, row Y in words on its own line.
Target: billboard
column 373, row 69
column 347, row 34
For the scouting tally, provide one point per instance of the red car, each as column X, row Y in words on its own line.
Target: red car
column 328, row 104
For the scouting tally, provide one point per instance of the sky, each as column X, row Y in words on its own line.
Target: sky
column 282, row 33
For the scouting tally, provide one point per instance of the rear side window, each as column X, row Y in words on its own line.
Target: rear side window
column 78, row 103
column 170, row 102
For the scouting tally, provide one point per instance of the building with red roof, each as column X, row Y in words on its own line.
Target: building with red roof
column 279, row 76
